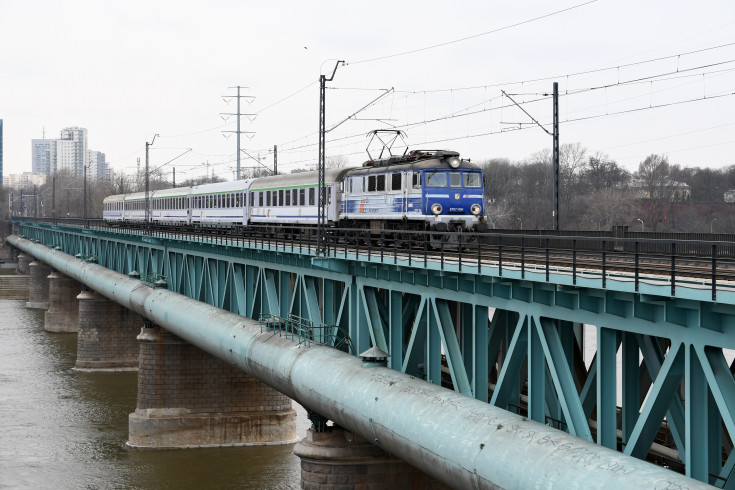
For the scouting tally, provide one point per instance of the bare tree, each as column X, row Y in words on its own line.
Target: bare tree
column 654, row 173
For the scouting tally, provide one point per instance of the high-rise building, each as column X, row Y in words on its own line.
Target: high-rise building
column 71, row 150
column 42, row 151
column 69, row 153
column 97, row 164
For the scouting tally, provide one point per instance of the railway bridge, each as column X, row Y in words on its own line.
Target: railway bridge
column 597, row 361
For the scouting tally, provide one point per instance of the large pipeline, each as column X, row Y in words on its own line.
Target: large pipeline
column 460, row 441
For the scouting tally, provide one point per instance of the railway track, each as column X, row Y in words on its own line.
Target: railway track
column 669, row 261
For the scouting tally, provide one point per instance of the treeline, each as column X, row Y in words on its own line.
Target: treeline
column 596, row 193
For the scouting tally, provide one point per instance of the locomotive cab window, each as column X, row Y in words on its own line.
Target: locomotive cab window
column 416, row 180
column 455, row 179
column 472, row 179
column 436, row 179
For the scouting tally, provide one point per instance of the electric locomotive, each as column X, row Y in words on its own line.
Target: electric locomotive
column 421, row 190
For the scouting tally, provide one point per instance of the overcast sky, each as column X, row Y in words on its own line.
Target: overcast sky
column 129, row 70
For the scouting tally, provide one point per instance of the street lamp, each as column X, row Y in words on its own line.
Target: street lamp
column 519, row 219
column 643, row 227
column 712, row 223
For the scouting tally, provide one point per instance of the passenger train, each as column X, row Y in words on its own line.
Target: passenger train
column 421, row 190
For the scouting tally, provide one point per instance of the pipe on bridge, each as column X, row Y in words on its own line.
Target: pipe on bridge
column 460, row 441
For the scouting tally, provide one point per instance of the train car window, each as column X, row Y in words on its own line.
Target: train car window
column 311, row 196
column 280, row 197
column 294, row 198
column 260, row 198
column 302, row 197
column 267, row 198
column 371, row 183
column 472, row 179
column 381, row 183
column 436, row 179
column 252, row 199
column 455, row 179
column 395, row 181
column 288, row 197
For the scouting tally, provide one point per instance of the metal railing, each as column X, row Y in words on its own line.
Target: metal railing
column 697, row 259
column 305, row 332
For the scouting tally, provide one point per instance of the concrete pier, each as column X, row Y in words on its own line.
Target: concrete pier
column 339, row 459
column 38, row 286
column 63, row 309
column 107, row 335
column 187, row 398
column 23, row 261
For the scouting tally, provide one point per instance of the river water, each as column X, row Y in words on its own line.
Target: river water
column 62, row 429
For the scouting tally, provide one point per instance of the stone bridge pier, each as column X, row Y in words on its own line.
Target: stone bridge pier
column 38, row 289
column 23, row 261
column 188, row 398
column 62, row 315
column 332, row 457
column 106, row 339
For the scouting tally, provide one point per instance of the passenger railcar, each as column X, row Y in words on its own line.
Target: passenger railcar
column 170, row 206
column 220, row 204
column 294, row 198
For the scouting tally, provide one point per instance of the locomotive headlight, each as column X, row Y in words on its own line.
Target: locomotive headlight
column 436, row 208
column 453, row 162
column 475, row 209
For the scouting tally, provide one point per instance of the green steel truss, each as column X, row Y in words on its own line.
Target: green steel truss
column 657, row 383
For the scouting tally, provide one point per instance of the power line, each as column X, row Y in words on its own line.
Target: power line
column 466, row 112
column 569, row 75
column 493, row 31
